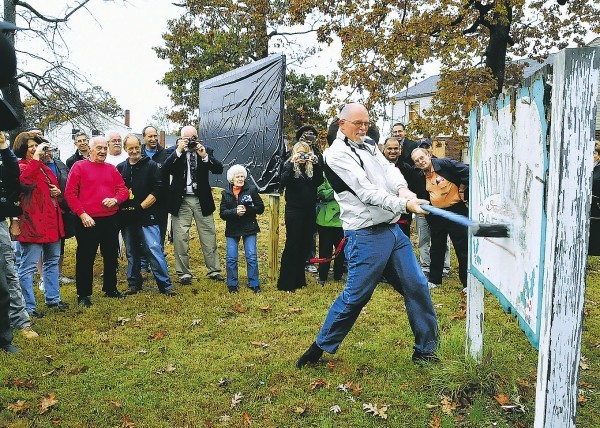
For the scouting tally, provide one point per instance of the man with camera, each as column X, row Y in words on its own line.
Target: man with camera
column 190, row 197
column 9, row 185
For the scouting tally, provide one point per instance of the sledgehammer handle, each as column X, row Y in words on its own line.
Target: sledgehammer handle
column 456, row 218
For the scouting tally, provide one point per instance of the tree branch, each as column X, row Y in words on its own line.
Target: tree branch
column 43, row 17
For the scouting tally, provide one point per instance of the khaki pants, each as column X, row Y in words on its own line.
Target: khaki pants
column 181, row 224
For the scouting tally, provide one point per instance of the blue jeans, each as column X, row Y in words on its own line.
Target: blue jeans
column 145, row 241
column 371, row 252
column 30, row 255
column 251, row 260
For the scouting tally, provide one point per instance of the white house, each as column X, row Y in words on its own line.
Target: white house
column 61, row 134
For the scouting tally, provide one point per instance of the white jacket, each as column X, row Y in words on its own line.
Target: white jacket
column 373, row 198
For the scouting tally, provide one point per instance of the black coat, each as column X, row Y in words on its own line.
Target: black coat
column 76, row 157
column 594, row 239
column 407, row 147
column 176, row 166
column 10, row 186
column 245, row 225
column 142, row 179
column 69, row 219
column 160, row 157
column 301, row 191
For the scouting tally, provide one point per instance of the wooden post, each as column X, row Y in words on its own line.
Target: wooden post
column 574, row 89
column 273, row 252
column 474, row 342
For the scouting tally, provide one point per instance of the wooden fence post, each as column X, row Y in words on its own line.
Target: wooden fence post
column 273, row 251
column 575, row 77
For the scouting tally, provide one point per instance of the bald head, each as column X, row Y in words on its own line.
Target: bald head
column 189, row 131
column 354, row 121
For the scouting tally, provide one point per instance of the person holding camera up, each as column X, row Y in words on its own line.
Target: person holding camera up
column 190, row 197
column 301, row 176
column 240, row 203
column 41, row 223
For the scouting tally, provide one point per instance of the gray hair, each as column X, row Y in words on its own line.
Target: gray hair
column 96, row 139
column 235, row 170
column 112, row 131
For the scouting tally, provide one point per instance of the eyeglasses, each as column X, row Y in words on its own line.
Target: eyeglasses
column 359, row 123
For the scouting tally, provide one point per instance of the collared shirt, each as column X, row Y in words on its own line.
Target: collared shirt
column 373, row 179
column 189, row 190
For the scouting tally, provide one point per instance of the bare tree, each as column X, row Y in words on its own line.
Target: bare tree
column 50, row 83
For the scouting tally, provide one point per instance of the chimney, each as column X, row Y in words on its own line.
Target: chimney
column 127, row 117
column 163, row 139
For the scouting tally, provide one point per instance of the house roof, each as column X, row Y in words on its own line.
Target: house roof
column 428, row 86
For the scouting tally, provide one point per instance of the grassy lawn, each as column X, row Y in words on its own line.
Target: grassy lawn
column 206, row 358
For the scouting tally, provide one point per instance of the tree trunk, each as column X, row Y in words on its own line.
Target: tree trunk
column 11, row 92
column 495, row 54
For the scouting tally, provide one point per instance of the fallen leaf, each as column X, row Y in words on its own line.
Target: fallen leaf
column 170, row 368
column 460, row 316
column 78, row 370
column 19, row 407
column 238, row 308
column 224, row 418
column 581, row 398
column 294, row 310
column 158, row 335
column 342, row 387
column 330, row 365
column 401, row 343
column 265, row 308
column 236, row 399
column 49, row 358
column 127, row 423
column 56, row 421
column 142, row 351
column 21, row 383
column 435, row 422
column 583, row 365
column 584, row 384
column 117, row 404
column 47, row 402
column 319, row 383
column 299, row 410
column 103, row 337
column 208, row 423
column 357, row 389
column 447, row 405
column 196, row 322
column 375, row 410
column 224, row 381
column 260, row 344
column 335, row 409
column 502, row 398
column 431, row 406
column 246, row 419
column 122, row 320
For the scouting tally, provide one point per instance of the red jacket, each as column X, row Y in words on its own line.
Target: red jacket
column 41, row 221
column 89, row 183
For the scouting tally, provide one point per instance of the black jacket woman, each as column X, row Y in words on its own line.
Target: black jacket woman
column 300, row 177
column 594, row 242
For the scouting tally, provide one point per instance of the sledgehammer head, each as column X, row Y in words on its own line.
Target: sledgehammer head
column 490, row 230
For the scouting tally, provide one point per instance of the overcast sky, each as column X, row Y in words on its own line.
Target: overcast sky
column 112, row 45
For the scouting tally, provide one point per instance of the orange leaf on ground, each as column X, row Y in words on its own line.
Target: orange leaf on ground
column 319, row 383
column 47, row 402
column 502, row 398
column 294, row 310
column 330, row 365
column 158, row 335
column 246, row 419
column 238, row 308
column 127, row 423
column 435, row 422
column 117, row 404
column 265, row 308
column 357, row 389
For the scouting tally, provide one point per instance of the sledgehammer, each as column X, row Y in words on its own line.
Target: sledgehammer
column 479, row 229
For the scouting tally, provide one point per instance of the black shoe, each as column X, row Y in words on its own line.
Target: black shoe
column 35, row 314
column 85, row 302
column 61, row 306
column 233, row 289
column 10, row 348
column 256, row 290
column 425, row 357
column 169, row 293
column 217, row 277
column 311, row 355
column 132, row 290
column 114, row 294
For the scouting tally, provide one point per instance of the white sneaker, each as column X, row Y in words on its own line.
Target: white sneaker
column 63, row 279
column 41, row 285
column 311, row 269
column 432, row 285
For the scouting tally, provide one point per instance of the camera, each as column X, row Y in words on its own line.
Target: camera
column 246, row 200
column 50, row 149
column 304, row 156
column 192, row 143
column 309, row 137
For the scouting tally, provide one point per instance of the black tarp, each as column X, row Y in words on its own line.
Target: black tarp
column 241, row 118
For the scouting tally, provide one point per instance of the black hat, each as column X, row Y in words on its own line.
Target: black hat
column 425, row 144
column 303, row 129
